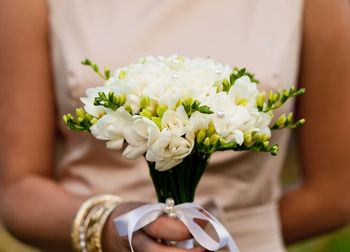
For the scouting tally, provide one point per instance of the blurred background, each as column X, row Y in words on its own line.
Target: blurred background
column 337, row 241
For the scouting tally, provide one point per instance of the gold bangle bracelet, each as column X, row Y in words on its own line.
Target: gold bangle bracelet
column 97, row 227
column 103, row 204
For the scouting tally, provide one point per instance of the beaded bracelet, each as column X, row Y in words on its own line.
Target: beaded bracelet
column 89, row 222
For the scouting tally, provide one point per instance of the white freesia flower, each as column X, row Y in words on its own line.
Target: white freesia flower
column 198, row 121
column 137, row 136
column 166, row 82
column 169, row 79
column 88, row 101
column 118, row 86
column 228, row 117
column 170, row 94
column 147, row 78
column 258, row 122
column 111, row 127
column 175, row 121
column 244, row 92
column 134, row 101
column 169, row 149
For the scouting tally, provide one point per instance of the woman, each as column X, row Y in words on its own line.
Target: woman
column 264, row 36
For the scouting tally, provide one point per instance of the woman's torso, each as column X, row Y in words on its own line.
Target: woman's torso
column 263, row 36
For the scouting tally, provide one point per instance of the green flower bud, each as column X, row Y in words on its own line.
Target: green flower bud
column 255, row 135
column 115, row 99
column 65, row 119
column 93, row 121
column 299, row 92
column 248, row 139
column 222, row 141
column 266, row 144
column 122, row 74
column 270, row 96
column 263, row 137
column 80, row 112
column 107, row 72
column 225, row 85
column 211, row 129
column 260, row 99
column 122, row 99
column 195, row 104
column 179, row 102
column 200, row 135
column 291, row 90
column 128, row 108
column 289, row 118
column 146, row 113
column 274, row 149
column 161, row 109
column 157, row 121
column 180, row 58
column 214, row 139
column 207, row 141
column 88, row 116
column 144, row 101
column 95, row 67
column 188, row 101
column 299, row 123
column 218, row 86
column 281, row 120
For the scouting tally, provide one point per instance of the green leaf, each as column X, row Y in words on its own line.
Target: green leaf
column 193, row 106
column 205, row 110
column 111, row 100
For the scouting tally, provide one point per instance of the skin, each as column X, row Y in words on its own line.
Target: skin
column 321, row 203
column 31, row 201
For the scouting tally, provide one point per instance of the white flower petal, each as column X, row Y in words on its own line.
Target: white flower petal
column 167, row 164
column 133, row 152
column 175, row 121
column 116, row 144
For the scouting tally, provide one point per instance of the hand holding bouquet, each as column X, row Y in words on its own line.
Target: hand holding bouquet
column 176, row 112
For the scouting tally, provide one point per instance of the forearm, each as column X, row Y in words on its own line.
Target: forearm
column 39, row 211
column 305, row 213
column 321, row 203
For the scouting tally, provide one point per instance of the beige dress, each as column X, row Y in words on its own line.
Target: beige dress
column 263, row 36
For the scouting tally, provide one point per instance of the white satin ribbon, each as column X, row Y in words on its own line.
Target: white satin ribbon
column 140, row 217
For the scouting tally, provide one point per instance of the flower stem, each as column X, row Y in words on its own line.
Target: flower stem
column 179, row 182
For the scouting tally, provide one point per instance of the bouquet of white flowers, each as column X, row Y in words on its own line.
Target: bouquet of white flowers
column 176, row 112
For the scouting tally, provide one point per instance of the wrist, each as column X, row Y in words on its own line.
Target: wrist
column 111, row 241
column 110, row 237
column 90, row 220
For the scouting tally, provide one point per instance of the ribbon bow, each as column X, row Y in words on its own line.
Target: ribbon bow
column 140, row 217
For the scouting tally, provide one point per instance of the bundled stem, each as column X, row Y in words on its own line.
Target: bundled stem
column 179, row 182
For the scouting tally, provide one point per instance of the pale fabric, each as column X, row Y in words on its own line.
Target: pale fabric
column 262, row 35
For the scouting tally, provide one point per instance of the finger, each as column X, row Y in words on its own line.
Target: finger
column 167, row 229
column 142, row 242
column 201, row 222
